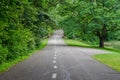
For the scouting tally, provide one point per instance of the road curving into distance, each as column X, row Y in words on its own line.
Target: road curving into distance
column 61, row 62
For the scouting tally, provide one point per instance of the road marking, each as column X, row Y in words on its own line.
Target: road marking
column 54, row 57
column 55, row 67
column 54, row 61
column 54, row 76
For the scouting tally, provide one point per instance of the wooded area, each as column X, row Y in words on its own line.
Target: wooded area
column 91, row 20
column 24, row 23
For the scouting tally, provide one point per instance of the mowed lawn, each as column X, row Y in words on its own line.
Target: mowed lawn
column 71, row 42
column 112, row 60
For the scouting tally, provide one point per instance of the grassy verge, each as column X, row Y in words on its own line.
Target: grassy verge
column 75, row 43
column 112, row 60
column 71, row 42
column 7, row 65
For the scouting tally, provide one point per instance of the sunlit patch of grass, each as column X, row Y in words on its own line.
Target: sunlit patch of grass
column 111, row 60
column 71, row 42
column 77, row 43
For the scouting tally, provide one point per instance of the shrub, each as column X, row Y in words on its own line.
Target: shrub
column 3, row 54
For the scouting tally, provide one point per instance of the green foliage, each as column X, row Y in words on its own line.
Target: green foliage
column 79, row 43
column 93, row 21
column 7, row 64
column 20, row 42
column 23, row 24
column 3, row 54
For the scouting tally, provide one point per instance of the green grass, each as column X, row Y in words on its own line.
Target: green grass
column 43, row 44
column 113, row 44
column 7, row 65
column 112, row 60
column 77, row 43
column 71, row 42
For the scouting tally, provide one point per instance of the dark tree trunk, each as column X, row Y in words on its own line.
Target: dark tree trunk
column 101, row 42
column 102, row 35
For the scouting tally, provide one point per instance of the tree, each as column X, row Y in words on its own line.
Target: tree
column 23, row 24
column 96, row 18
column 105, row 18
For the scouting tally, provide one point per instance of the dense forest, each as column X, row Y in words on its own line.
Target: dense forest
column 24, row 23
column 91, row 20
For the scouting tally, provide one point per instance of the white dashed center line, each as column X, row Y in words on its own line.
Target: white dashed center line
column 54, row 76
column 55, row 67
column 54, row 57
column 54, row 61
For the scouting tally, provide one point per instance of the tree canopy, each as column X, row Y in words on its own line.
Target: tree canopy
column 24, row 23
column 90, row 19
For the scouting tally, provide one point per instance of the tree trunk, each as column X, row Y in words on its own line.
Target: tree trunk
column 101, row 42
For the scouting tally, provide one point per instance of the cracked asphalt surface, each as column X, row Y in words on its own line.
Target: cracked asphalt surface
column 61, row 62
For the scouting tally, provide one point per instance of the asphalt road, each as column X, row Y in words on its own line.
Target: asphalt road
column 61, row 62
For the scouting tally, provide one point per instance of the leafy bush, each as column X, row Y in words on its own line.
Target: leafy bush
column 21, row 27
column 20, row 42
column 3, row 54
